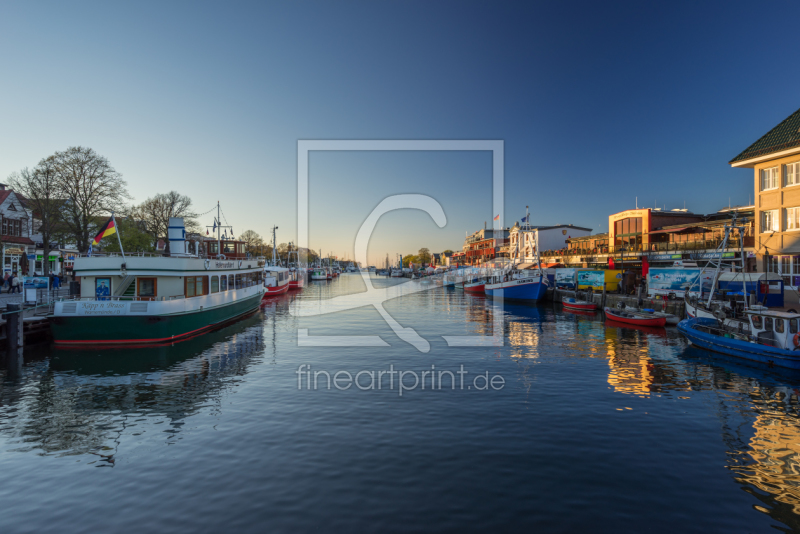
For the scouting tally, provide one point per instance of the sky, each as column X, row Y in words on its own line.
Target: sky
column 600, row 105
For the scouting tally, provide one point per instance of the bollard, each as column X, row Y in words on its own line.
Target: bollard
column 603, row 298
column 14, row 328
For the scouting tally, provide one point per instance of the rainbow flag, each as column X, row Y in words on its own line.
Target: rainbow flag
column 109, row 228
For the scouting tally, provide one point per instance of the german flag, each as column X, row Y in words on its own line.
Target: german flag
column 109, row 228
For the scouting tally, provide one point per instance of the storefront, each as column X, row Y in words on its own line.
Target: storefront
column 12, row 258
column 54, row 263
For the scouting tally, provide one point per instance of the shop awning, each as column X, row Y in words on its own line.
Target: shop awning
column 669, row 231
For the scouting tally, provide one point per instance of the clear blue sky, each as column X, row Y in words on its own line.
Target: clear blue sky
column 598, row 103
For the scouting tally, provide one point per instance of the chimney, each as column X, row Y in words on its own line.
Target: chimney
column 2, row 187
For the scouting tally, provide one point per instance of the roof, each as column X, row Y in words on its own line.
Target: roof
column 784, row 136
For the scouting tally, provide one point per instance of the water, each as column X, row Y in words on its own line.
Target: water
column 595, row 427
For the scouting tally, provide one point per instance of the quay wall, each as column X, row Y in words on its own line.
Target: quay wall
column 675, row 307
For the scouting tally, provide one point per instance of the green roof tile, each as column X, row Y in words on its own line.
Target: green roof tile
column 783, row 136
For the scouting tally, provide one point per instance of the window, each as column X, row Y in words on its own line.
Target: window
column 146, row 287
column 768, row 324
column 786, row 265
column 779, row 325
column 756, row 322
column 793, row 173
column 769, row 221
column 238, row 281
column 769, row 178
column 793, row 218
column 223, row 283
column 230, row 282
column 792, row 326
column 195, row 286
column 771, row 264
column 215, row 284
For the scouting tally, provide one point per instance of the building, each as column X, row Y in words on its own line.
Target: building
column 484, row 245
column 775, row 160
column 522, row 238
column 641, row 238
column 15, row 233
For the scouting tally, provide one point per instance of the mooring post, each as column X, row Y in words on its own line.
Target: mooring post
column 14, row 327
column 603, row 298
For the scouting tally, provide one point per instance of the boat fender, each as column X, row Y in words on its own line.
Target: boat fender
column 240, row 264
column 797, row 340
column 207, row 264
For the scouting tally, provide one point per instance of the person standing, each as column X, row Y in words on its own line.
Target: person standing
column 15, row 283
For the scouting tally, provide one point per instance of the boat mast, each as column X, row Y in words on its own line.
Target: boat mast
column 719, row 264
column 274, row 264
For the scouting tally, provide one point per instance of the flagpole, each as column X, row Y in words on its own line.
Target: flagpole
column 119, row 239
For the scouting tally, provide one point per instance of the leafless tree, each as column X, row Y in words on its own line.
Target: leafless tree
column 90, row 188
column 155, row 212
column 43, row 197
column 253, row 242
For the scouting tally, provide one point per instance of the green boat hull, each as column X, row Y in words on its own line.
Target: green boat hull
column 128, row 329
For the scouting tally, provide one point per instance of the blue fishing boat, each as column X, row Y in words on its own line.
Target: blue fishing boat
column 773, row 337
column 517, row 285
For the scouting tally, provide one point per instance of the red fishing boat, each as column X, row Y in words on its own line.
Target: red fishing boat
column 297, row 278
column 276, row 281
column 475, row 287
column 629, row 318
column 575, row 304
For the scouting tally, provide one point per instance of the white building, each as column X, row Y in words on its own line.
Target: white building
column 14, row 232
column 523, row 239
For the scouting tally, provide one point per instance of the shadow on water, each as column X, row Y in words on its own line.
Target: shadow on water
column 82, row 401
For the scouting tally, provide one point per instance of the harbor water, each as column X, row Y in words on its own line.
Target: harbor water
column 571, row 425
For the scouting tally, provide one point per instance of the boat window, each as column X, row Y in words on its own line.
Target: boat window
column 146, row 287
column 238, row 281
column 195, row 286
column 768, row 324
column 792, row 326
column 779, row 325
column 215, row 284
column 223, row 283
column 756, row 321
column 230, row 282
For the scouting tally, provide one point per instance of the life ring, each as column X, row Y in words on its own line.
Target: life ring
column 797, row 340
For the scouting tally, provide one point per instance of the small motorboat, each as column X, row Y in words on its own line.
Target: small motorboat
column 634, row 319
column 575, row 304
column 474, row 287
column 672, row 319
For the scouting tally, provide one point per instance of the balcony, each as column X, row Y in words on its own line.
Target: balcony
column 677, row 247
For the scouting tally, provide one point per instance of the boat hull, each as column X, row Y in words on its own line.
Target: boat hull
column 573, row 304
column 279, row 290
column 739, row 349
column 475, row 288
column 141, row 329
column 535, row 289
column 638, row 321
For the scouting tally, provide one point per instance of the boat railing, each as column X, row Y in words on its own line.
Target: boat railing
column 675, row 246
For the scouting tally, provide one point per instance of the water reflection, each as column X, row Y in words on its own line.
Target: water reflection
column 84, row 401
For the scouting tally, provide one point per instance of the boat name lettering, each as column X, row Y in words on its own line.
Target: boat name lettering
column 103, row 308
column 224, row 265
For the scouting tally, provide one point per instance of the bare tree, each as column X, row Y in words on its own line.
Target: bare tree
column 155, row 212
column 43, row 196
column 253, row 242
column 90, row 188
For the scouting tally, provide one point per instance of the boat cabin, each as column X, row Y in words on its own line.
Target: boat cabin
column 768, row 287
column 775, row 328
